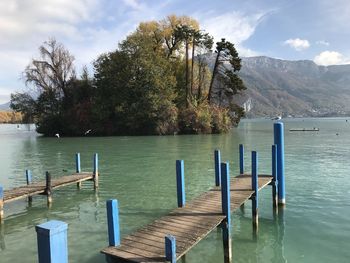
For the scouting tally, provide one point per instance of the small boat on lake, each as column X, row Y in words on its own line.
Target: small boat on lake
column 304, row 129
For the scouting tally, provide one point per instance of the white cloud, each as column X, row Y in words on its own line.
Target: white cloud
column 326, row 58
column 297, row 43
column 323, row 42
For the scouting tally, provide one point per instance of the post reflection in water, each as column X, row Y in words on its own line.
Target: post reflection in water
column 280, row 227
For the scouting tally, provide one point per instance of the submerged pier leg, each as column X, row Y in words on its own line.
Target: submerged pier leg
column 52, row 242
column 170, row 248
column 226, row 210
column 180, row 183
column 255, row 188
column 274, row 182
column 217, row 161
column 29, row 181
column 113, row 222
column 1, row 203
column 279, row 141
column 78, row 167
column 95, row 161
column 241, row 159
column 48, row 189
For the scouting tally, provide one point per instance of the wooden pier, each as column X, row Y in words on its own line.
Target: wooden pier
column 46, row 187
column 188, row 224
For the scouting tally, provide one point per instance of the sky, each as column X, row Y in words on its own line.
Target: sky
column 287, row 29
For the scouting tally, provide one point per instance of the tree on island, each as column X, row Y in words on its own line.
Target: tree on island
column 158, row 81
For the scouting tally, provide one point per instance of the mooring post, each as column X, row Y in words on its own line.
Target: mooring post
column 170, row 248
column 180, row 183
column 113, row 222
column 77, row 163
column 255, row 188
column 29, row 181
column 217, row 161
column 52, row 242
column 95, row 170
column 279, row 141
column 226, row 210
column 48, row 189
column 241, row 159
column 274, row 176
column 1, row 203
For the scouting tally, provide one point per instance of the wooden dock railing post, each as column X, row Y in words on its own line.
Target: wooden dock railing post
column 217, row 167
column 274, row 182
column 170, row 248
column 226, row 210
column 29, row 181
column 241, row 159
column 279, row 141
column 95, row 171
column 1, row 203
column 52, row 242
column 255, row 188
column 113, row 222
column 180, row 183
column 48, row 189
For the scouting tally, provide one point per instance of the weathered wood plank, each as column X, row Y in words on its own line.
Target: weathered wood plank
column 188, row 224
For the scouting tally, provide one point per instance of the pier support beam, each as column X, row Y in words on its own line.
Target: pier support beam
column 52, row 242
column 95, row 161
column 29, row 181
column 226, row 210
column 180, row 183
column 255, row 188
column 113, row 222
column 279, row 141
column 241, row 159
column 1, row 203
column 217, row 161
column 170, row 248
column 77, row 167
column 48, row 189
column 274, row 182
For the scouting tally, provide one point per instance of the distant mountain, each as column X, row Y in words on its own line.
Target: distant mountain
column 5, row 106
column 294, row 88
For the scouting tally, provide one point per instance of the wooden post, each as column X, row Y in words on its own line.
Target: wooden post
column 95, row 170
column 226, row 210
column 1, row 203
column 113, row 222
column 274, row 177
column 180, row 183
column 255, row 188
column 48, row 190
column 170, row 248
column 217, row 160
column 52, row 242
column 241, row 159
column 279, row 141
column 29, row 181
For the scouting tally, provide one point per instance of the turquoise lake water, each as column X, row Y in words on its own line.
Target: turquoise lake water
column 140, row 173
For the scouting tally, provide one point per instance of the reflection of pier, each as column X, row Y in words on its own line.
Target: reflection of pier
column 46, row 187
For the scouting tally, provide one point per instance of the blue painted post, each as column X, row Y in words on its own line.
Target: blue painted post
column 113, row 222
column 180, row 183
column 95, row 171
column 170, row 248
column 241, row 159
column 279, row 141
column 255, row 188
column 48, row 190
column 226, row 210
column 274, row 176
column 29, row 181
column 77, row 163
column 1, row 203
column 52, row 242
column 217, row 160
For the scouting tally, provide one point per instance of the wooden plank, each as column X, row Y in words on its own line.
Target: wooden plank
column 188, row 224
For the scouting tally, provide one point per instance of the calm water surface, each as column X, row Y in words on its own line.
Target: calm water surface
column 140, row 173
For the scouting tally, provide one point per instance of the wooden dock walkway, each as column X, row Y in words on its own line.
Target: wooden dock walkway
column 188, row 224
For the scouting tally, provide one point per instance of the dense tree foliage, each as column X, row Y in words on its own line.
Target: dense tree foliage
column 157, row 81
